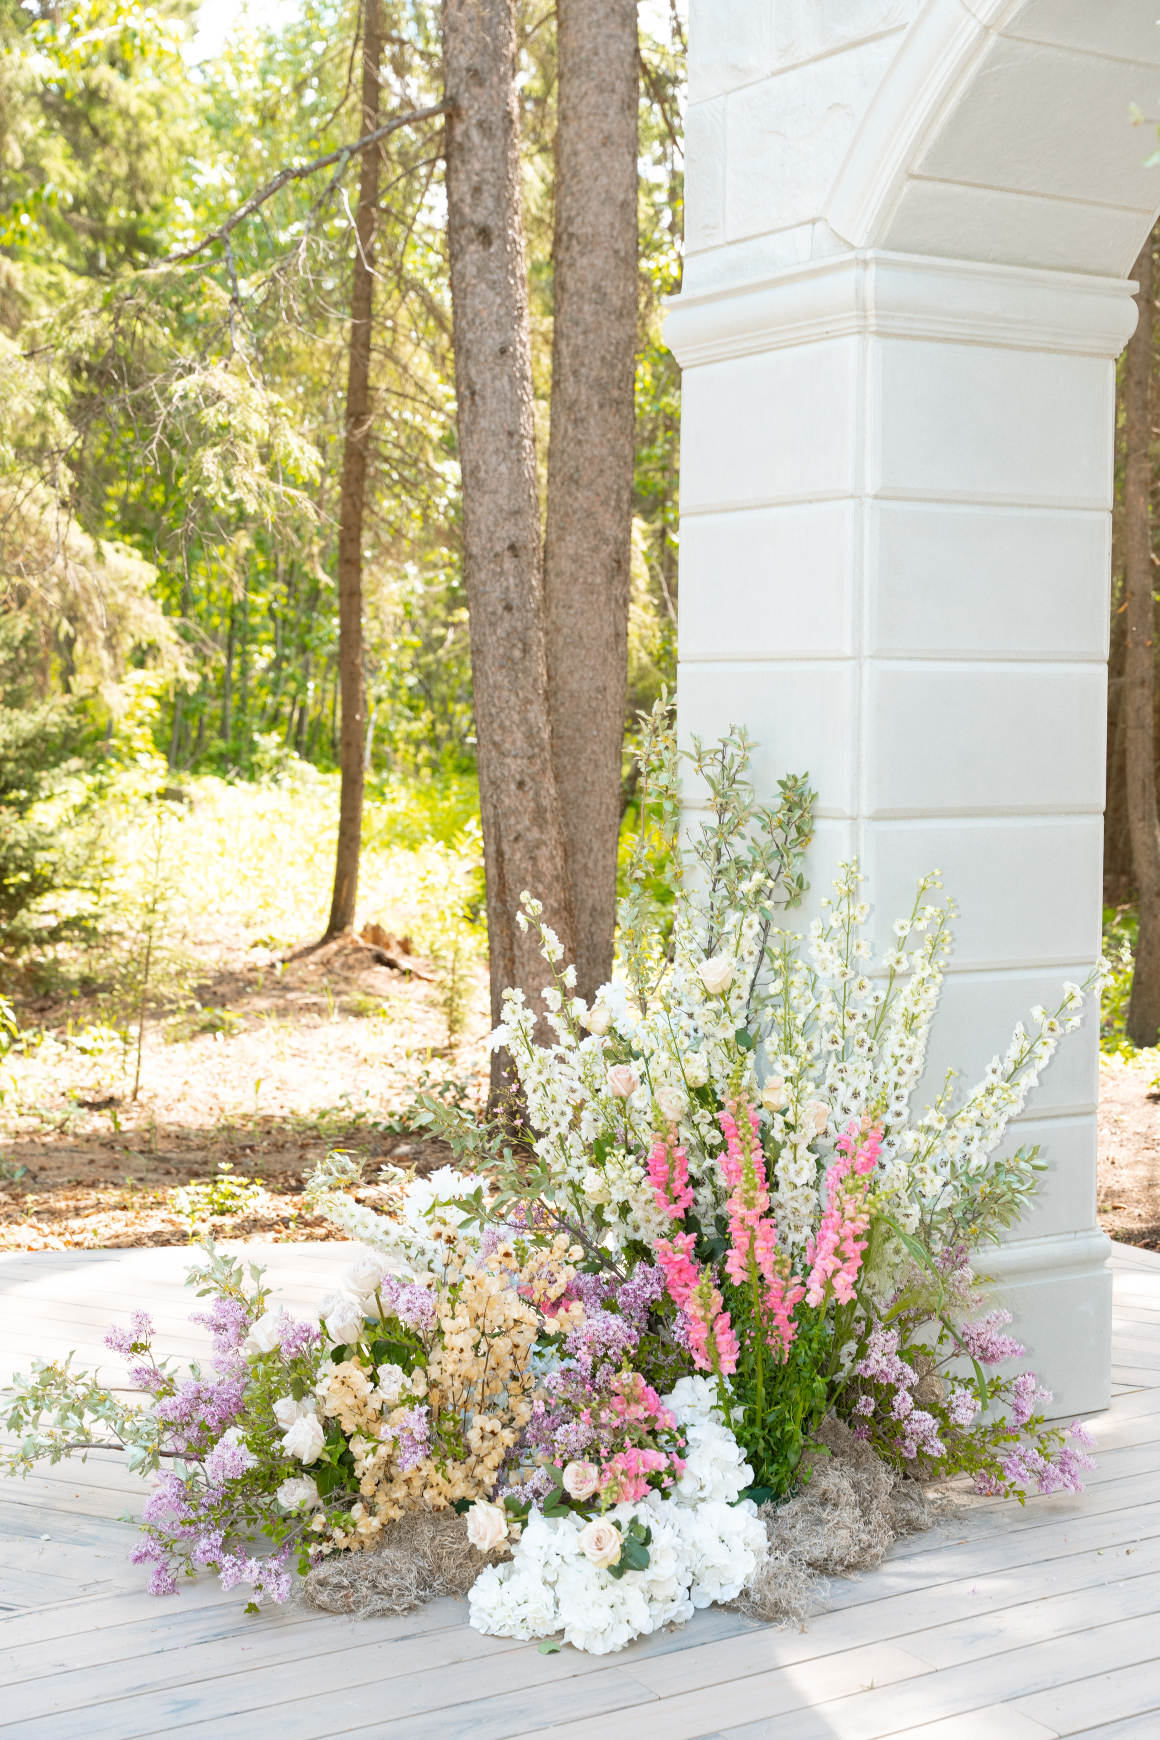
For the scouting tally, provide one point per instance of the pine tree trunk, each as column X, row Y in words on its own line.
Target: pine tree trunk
column 1138, row 695
column 591, row 451
column 523, row 840
column 354, row 476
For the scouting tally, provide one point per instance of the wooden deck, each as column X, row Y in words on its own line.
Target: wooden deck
column 1011, row 1625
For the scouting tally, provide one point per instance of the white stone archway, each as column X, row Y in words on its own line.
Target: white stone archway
column 909, row 228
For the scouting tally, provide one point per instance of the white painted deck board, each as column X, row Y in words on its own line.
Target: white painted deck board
column 1001, row 1624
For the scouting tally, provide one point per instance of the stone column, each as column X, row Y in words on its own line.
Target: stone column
column 896, row 486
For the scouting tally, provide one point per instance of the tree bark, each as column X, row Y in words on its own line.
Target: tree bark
column 354, row 476
column 523, row 844
column 591, row 451
column 1138, row 695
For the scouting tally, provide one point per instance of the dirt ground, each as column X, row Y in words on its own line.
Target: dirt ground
column 1129, row 1152
column 290, row 1056
column 285, row 1059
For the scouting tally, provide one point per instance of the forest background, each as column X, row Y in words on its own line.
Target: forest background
column 170, row 462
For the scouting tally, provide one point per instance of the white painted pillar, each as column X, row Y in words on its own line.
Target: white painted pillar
column 896, row 486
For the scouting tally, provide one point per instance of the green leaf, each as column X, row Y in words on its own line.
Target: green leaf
column 745, row 1039
column 550, row 1646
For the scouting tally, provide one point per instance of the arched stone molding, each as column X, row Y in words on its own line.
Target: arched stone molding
column 909, row 229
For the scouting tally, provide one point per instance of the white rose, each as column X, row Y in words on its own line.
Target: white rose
column 716, row 974
column 696, row 1068
column 264, row 1336
column 594, row 1185
column 364, row 1277
column 580, row 1479
column 598, row 1019
column 304, row 1439
column 343, row 1319
column 287, row 1410
column 773, row 1094
column 392, row 1381
column 600, row 1543
column 487, row 1525
column 623, row 1081
column 672, row 1104
column 298, row 1490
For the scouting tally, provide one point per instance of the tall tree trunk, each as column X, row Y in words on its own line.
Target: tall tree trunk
column 588, row 546
column 523, row 843
column 354, row 477
column 1138, row 695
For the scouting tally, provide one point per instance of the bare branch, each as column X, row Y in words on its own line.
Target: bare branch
column 341, row 156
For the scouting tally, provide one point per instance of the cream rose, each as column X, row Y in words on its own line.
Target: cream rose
column 598, row 1019
column 264, row 1335
column 773, row 1094
column 820, row 1113
column 300, row 1490
column 287, row 1410
column 623, row 1080
column 673, row 1105
column 696, row 1067
column 580, row 1479
column 600, row 1543
column 304, row 1439
column 487, row 1525
column 363, row 1278
column 716, row 974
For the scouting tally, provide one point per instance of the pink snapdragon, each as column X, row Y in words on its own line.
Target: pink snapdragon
column 711, row 1339
column 755, row 1257
column 668, row 1171
column 625, row 1478
column 836, row 1254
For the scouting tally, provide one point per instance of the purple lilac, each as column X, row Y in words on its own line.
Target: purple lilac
column 298, row 1338
column 1025, row 1392
column 202, row 1410
column 229, row 1321
column 227, row 1462
column 415, row 1307
column 411, row 1432
column 983, row 1341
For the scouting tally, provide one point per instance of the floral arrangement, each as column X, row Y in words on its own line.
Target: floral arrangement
column 608, row 1346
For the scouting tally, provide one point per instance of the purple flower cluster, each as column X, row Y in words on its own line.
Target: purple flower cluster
column 917, row 1429
column 227, row 1461
column 1024, row 1466
column 412, row 1303
column 228, row 1320
column 298, row 1337
column 127, row 1341
column 983, row 1341
column 615, row 1315
column 411, row 1433
column 201, row 1409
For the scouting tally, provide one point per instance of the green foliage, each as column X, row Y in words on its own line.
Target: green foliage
column 1119, row 943
column 217, row 1198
